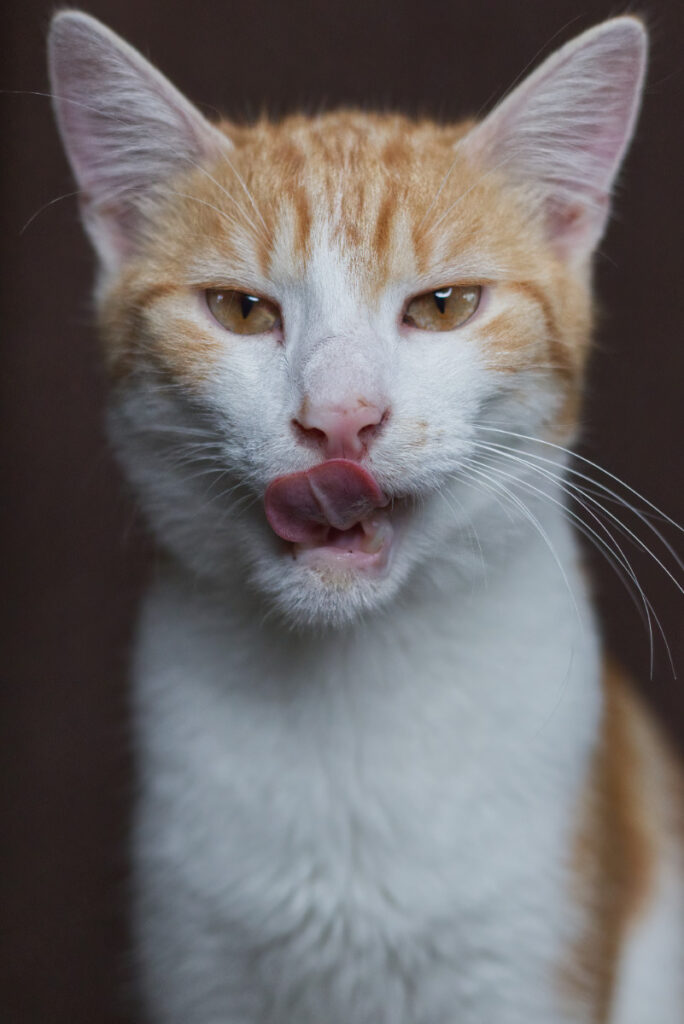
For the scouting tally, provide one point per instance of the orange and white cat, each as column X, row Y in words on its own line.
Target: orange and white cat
column 385, row 774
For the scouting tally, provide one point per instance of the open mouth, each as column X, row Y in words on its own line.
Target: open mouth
column 333, row 515
column 366, row 545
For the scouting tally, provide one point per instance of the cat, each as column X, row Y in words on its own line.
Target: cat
column 387, row 775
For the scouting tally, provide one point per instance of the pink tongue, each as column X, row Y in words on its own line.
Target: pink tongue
column 301, row 507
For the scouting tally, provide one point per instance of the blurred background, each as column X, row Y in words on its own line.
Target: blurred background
column 74, row 553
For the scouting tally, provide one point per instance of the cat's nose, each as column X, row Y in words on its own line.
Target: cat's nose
column 342, row 431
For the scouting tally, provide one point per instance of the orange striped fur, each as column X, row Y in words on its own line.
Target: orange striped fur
column 382, row 184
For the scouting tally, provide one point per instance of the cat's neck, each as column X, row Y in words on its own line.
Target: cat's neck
column 509, row 641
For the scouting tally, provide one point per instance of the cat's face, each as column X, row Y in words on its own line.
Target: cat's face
column 343, row 264
column 309, row 324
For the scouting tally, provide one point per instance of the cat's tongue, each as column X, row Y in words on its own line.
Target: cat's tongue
column 301, row 507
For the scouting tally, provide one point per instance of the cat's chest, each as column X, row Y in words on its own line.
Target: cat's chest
column 389, row 754
column 361, row 868
column 376, row 828
column 352, row 794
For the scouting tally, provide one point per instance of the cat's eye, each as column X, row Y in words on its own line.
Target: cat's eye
column 444, row 309
column 241, row 312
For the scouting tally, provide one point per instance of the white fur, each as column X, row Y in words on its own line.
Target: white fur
column 651, row 980
column 370, row 825
column 357, row 795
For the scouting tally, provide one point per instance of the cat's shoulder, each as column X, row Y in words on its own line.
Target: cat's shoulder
column 642, row 755
column 628, row 861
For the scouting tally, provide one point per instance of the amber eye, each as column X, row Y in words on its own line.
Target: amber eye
column 240, row 312
column 444, row 309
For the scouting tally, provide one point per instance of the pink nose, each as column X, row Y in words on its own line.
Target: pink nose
column 343, row 432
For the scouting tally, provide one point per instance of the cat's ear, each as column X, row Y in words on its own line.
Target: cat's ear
column 563, row 132
column 125, row 128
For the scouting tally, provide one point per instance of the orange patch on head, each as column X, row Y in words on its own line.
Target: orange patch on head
column 509, row 348
column 562, row 357
column 185, row 354
column 398, row 202
column 303, row 222
column 382, row 235
column 155, row 332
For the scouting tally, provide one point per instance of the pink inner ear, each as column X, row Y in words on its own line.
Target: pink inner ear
column 113, row 228
column 125, row 128
column 564, row 131
column 571, row 227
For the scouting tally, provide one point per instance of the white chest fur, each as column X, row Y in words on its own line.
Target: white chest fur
column 371, row 826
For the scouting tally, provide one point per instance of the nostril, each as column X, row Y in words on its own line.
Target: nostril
column 367, row 433
column 308, row 434
column 341, row 431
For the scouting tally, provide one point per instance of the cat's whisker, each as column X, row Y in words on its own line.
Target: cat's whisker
column 181, row 429
column 608, row 494
column 462, row 475
column 531, row 62
column 199, row 450
column 243, row 502
column 477, row 467
column 187, row 478
column 191, row 438
column 625, row 573
column 486, row 174
column 204, row 202
column 469, row 524
column 247, row 192
column 186, row 448
column 611, row 549
column 180, row 457
column 258, row 231
column 577, row 489
column 594, row 465
column 574, row 491
column 46, row 206
column 439, row 191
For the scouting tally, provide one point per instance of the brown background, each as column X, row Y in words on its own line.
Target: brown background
column 74, row 556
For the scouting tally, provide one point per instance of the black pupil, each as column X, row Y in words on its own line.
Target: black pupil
column 441, row 297
column 247, row 302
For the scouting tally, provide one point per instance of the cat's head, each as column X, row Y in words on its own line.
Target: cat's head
column 310, row 325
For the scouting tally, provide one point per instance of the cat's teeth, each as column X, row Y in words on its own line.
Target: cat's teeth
column 376, row 533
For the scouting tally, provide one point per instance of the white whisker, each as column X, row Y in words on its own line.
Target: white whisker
column 480, row 469
column 246, row 191
column 609, row 495
column 588, row 462
column 610, row 548
column 625, row 529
